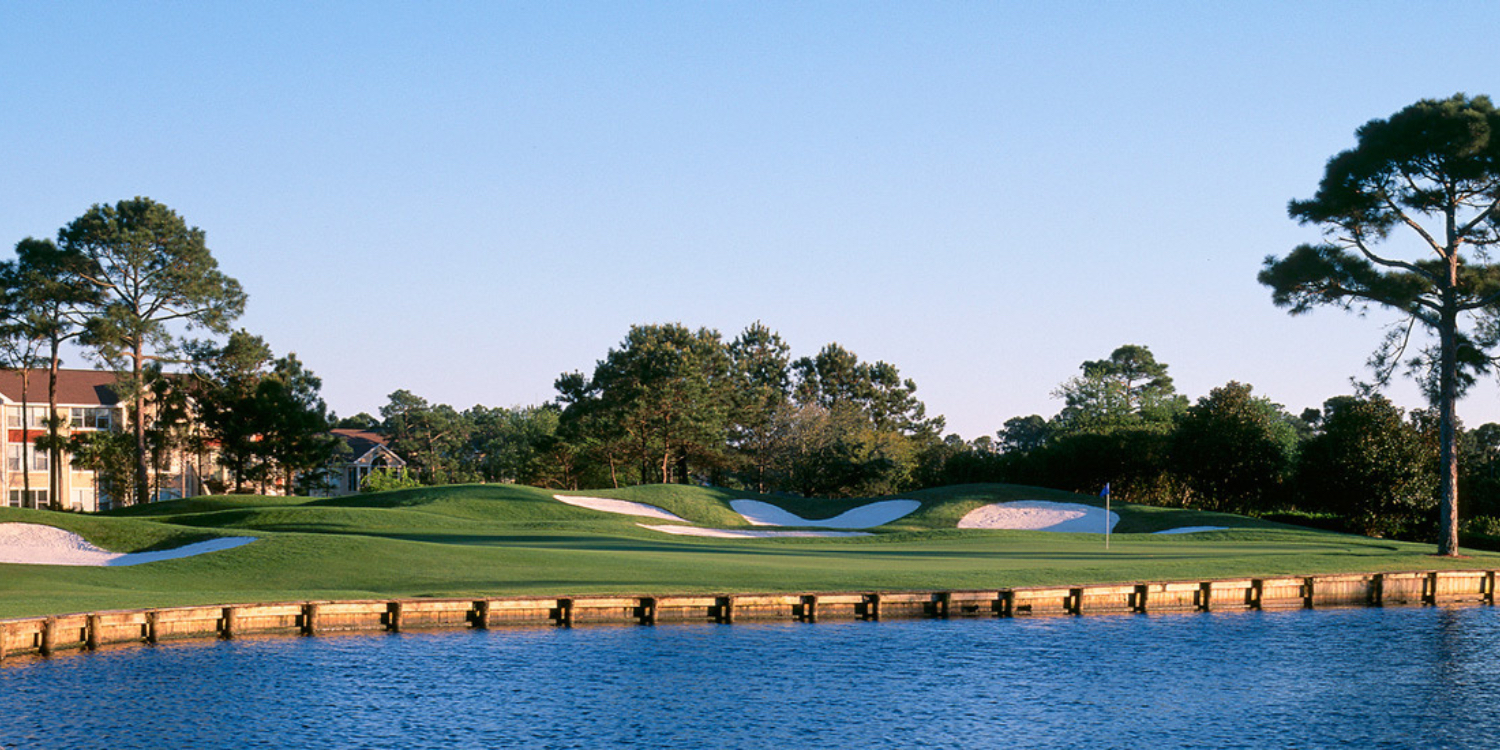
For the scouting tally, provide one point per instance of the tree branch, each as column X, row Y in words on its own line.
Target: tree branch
column 1484, row 301
column 1469, row 227
column 1359, row 244
column 1418, row 228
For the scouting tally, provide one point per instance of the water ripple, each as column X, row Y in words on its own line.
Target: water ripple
column 1368, row 678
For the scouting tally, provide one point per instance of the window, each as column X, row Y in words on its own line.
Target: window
column 18, row 499
column 91, row 418
column 15, row 454
column 37, row 416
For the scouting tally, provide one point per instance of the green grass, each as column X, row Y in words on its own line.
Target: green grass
column 507, row 540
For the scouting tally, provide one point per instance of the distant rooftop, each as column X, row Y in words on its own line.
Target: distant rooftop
column 360, row 441
column 74, row 387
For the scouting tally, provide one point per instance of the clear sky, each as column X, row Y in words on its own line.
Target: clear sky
column 466, row 199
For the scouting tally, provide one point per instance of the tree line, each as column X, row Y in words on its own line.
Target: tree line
column 672, row 404
column 1364, row 463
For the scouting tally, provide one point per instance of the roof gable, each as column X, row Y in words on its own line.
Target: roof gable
column 365, row 445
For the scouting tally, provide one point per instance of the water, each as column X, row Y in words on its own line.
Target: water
column 1358, row 678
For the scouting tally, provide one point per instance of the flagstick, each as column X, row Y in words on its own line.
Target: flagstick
column 1106, row 517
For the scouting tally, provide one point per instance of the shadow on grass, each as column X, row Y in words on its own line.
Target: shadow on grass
column 592, row 543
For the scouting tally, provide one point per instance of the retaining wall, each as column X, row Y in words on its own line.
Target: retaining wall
column 45, row 635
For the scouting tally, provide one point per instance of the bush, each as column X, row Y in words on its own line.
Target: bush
column 384, row 480
column 1234, row 450
column 1370, row 466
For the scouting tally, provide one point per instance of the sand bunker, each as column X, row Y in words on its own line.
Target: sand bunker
column 623, row 507
column 744, row 533
column 863, row 517
column 38, row 544
column 1191, row 529
column 1039, row 515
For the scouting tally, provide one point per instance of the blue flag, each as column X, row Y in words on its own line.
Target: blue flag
column 1104, row 492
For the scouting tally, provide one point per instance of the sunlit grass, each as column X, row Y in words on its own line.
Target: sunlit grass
column 508, row 540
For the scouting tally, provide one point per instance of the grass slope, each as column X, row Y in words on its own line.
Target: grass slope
column 504, row 539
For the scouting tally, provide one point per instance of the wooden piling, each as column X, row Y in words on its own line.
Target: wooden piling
column 1005, row 604
column 230, row 615
column 809, row 608
column 49, row 635
column 310, row 618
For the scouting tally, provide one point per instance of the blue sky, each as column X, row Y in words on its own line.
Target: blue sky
column 467, row 199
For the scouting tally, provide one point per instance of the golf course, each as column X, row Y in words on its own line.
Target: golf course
column 504, row 540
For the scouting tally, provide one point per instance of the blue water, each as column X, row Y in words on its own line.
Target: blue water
column 1358, row 678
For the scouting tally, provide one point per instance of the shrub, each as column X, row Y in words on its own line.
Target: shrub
column 384, row 480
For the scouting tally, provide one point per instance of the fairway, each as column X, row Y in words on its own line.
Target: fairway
column 496, row 540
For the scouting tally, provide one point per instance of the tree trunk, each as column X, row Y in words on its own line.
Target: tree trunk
column 142, row 460
column 1448, row 417
column 26, row 438
column 54, row 451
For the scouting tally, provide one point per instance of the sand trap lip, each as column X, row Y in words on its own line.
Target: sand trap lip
column 744, row 533
column 864, row 517
column 1039, row 515
column 1191, row 529
column 622, row 507
column 39, row 544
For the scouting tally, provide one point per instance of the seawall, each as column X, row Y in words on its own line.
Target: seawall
column 47, row 635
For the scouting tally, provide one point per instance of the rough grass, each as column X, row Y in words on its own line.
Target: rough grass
column 504, row 540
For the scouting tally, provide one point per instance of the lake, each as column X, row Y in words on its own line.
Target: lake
column 1419, row 677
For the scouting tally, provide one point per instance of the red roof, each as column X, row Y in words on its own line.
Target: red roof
column 74, row 387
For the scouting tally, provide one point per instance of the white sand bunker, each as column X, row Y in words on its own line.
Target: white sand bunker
column 863, row 517
column 1039, row 515
column 623, row 507
column 38, row 544
column 743, row 533
column 1191, row 529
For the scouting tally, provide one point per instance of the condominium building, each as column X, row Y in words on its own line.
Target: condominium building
column 86, row 401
